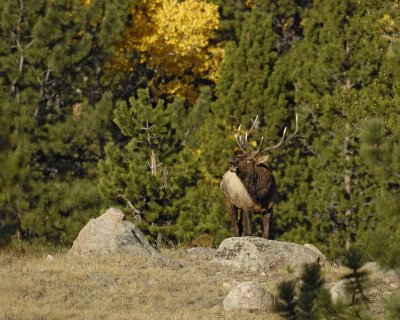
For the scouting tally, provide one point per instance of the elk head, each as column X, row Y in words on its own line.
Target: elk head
column 245, row 164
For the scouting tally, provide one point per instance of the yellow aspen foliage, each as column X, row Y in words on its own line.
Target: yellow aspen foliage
column 251, row 3
column 172, row 38
column 389, row 22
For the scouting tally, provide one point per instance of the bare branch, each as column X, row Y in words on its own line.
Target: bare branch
column 153, row 163
column 135, row 210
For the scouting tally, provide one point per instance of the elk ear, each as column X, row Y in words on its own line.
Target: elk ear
column 263, row 159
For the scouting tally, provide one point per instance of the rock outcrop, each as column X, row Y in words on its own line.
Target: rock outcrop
column 391, row 276
column 248, row 296
column 252, row 254
column 111, row 234
column 322, row 258
column 339, row 292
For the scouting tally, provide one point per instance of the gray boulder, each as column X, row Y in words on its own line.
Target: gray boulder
column 322, row 258
column 339, row 292
column 389, row 276
column 248, row 296
column 111, row 234
column 252, row 254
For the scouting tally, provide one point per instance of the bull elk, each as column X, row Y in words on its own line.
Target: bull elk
column 249, row 184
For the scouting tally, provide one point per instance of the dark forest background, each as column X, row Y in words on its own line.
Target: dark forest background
column 135, row 104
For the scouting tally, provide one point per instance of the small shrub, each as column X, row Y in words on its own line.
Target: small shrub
column 203, row 240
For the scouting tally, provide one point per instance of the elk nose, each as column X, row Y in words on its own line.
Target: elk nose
column 233, row 167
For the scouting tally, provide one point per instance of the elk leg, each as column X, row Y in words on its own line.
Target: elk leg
column 247, row 222
column 233, row 212
column 240, row 224
column 266, row 221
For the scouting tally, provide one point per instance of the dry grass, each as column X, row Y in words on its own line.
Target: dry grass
column 120, row 287
column 32, row 287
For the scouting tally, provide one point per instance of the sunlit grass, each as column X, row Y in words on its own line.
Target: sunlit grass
column 33, row 287
column 121, row 287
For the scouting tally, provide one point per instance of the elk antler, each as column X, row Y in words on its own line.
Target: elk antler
column 244, row 145
column 283, row 140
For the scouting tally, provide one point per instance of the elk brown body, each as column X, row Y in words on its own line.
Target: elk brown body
column 249, row 185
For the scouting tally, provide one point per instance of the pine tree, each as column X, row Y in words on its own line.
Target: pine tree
column 302, row 303
column 233, row 14
column 310, row 286
column 334, row 84
column 357, row 278
column 383, row 157
column 204, row 206
column 54, row 113
column 287, row 300
column 308, row 299
column 244, row 73
column 150, row 173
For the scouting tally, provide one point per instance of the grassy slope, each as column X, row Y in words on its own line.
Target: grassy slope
column 32, row 287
